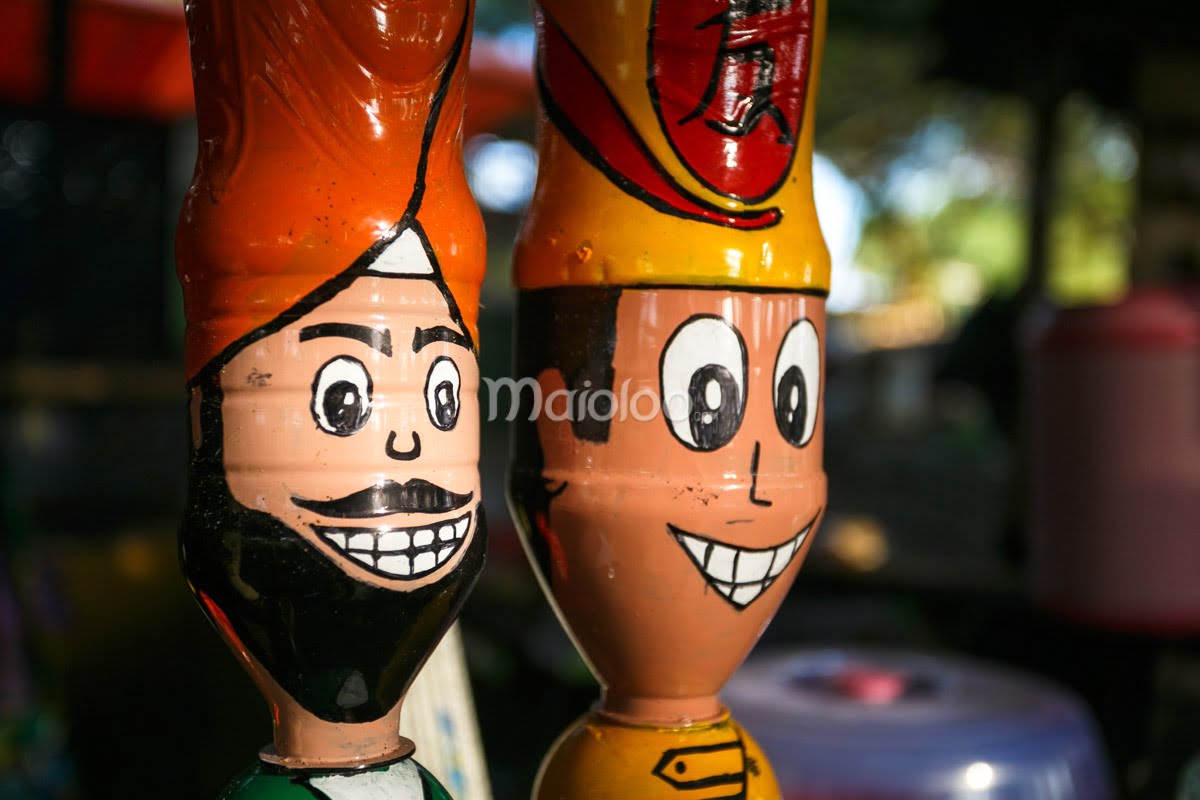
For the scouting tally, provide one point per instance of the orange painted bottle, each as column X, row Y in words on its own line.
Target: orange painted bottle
column 671, row 282
column 331, row 255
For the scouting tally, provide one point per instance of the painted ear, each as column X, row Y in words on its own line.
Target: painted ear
column 404, row 256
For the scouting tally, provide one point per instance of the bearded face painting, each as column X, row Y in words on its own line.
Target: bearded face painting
column 337, row 469
column 331, row 255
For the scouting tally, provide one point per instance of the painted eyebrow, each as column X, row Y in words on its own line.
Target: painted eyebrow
column 440, row 333
column 381, row 340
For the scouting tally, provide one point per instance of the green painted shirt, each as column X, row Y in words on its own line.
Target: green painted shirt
column 400, row 780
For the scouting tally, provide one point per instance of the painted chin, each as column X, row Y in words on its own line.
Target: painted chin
column 402, row 553
column 740, row 575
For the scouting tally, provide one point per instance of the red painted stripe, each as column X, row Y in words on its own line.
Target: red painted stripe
column 605, row 136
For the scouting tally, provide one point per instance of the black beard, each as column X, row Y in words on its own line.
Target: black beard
column 344, row 649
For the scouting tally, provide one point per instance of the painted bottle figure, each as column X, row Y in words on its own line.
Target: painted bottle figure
column 671, row 277
column 331, row 256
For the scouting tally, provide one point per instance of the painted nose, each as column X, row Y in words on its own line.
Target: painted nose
column 409, row 454
column 754, row 498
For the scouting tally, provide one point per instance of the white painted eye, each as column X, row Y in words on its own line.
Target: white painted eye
column 703, row 374
column 798, row 383
column 441, row 393
column 341, row 396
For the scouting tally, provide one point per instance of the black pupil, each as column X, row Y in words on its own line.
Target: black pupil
column 791, row 405
column 445, row 411
column 714, row 402
column 344, row 407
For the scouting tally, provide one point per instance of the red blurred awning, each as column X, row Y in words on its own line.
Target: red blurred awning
column 129, row 58
column 125, row 58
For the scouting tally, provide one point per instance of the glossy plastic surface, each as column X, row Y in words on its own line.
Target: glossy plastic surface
column 602, row 759
column 676, row 145
column 316, row 137
column 666, row 543
column 854, row 724
column 667, row 480
column 331, row 256
column 672, row 277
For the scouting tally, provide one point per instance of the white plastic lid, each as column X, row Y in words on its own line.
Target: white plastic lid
column 872, row 724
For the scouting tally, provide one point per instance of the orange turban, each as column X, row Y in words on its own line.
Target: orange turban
column 321, row 123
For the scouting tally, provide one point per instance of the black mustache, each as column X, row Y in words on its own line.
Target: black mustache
column 416, row 496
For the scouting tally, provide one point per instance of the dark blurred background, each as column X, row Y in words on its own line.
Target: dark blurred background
column 981, row 167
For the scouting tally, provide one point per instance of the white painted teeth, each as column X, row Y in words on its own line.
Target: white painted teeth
column 784, row 553
column 720, row 563
column 741, row 595
column 744, row 595
column 390, row 541
column 697, row 548
column 740, row 574
column 400, row 552
column 396, row 565
column 753, row 566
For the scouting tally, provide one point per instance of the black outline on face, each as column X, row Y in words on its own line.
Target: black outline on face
column 361, row 265
column 588, row 314
column 208, row 379
column 380, row 340
column 422, row 337
column 312, row 407
column 311, row 622
column 817, row 394
column 676, row 531
column 662, row 356
column 324, row 532
column 388, row 497
column 652, row 85
column 768, row 580
column 457, row 394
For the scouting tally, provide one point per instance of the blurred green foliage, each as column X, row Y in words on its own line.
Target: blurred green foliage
column 945, row 169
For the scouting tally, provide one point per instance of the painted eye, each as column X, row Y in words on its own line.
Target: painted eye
column 341, row 396
column 704, row 382
column 441, row 393
column 798, row 383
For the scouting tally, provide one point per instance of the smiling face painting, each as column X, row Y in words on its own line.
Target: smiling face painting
column 652, row 530
column 334, row 524
column 330, row 256
column 704, row 377
column 671, row 255
column 377, row 467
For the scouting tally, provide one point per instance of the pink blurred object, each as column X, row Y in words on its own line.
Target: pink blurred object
column 1116, row 463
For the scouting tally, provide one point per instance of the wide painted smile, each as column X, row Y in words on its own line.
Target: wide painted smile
column 739, row 574
column 406, row 553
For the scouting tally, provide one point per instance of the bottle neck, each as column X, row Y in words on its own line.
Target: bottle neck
column 661, row 711
column 304, row 741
